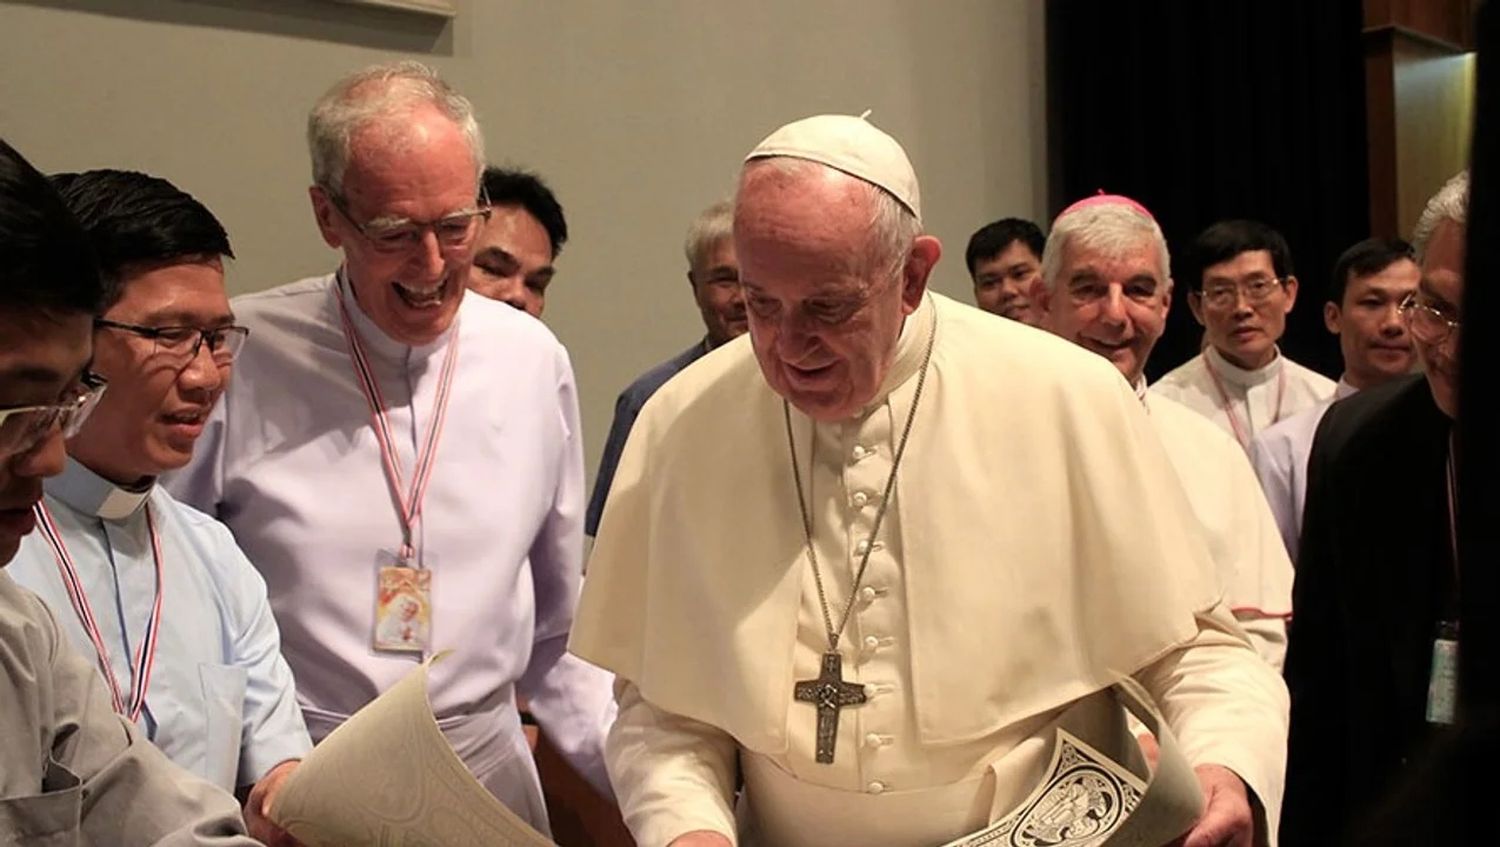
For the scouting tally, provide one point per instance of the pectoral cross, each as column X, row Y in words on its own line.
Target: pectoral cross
column 830, row 693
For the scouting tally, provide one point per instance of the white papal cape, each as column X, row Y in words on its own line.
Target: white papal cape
column 1038, row 547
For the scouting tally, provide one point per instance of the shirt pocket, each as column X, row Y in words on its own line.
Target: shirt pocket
column 50, row 819
column 224, row 720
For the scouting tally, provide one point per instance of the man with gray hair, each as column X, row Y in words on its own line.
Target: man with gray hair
column 805, row 587
column 388, row 437
column 714, row 276
column 1106, row 286
column 1373, row 661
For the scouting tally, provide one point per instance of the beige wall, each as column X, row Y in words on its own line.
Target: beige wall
column 1434, row 92
column 636, row 111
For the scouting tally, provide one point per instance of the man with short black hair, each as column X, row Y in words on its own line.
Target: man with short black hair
column 71, row 770
column 119, row 557
column 526, row 230
column 1242, row 287
column 1370, row 282
column 1004, row 260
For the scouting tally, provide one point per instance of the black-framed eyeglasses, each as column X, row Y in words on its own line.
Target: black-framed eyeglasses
column 1257, row 289
column 22, row 428
column 182, row 343
column 1427, row 323
column 454, row 232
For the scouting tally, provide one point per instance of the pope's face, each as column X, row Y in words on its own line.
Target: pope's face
column 825, row 308
column 158, row 400
column 1003, row 283
column 1372, row 334
column 513, row 260
column 1114, row 304
column 421, row 171
column 1442, row 291
column 41, row 362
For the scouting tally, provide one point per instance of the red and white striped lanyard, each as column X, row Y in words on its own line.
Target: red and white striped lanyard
column 145, row 654
column 1240, row 433
column 408, row 503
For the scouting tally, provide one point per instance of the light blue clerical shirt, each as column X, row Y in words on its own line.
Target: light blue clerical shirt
column 221, row 702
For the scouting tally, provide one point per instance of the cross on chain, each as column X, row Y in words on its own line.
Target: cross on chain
column 830, row 693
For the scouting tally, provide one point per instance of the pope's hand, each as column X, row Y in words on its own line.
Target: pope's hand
column 700, row 838
column 1227, row 820
column 258, row 807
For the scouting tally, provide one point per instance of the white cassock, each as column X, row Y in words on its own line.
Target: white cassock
column 290, row 462
column 1033, row 553
column 1256, row 399
column 1237, row 524
column 1279, row 456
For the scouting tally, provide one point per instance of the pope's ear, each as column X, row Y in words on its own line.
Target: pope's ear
column 926, row 250
column 324, row 213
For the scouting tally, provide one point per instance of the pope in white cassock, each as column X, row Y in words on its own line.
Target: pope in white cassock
column 1106, row 286
column 382, row 424
column 806, row 584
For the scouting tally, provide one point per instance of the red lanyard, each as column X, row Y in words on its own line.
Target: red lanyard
column 408, row 503
column 145, row 654
column 1240, row 433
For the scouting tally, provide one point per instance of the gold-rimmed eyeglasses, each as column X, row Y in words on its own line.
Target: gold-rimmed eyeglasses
column 1223, row 294
column 454, row 232
column 1427, row 323
column 22, row 428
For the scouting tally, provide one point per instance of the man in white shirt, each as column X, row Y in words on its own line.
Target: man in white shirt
column 1370, row 282
column 120, row 560
column 1241, row 290
column 804, row 584
column 386, row 433
column 1105, row 285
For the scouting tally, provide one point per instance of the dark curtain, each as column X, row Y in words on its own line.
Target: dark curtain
column 1212, row 110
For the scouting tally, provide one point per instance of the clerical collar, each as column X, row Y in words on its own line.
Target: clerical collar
column 375, row 340
column 1232, row 373
column 1343, row 389
column 86, row 492
column 911, row 347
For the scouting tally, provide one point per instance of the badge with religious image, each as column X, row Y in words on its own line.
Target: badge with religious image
column 403, row 609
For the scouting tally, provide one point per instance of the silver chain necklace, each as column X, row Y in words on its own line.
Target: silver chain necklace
column 828, row 691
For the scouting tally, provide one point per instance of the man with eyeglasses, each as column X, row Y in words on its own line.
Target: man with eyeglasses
column 386, row 435
column 1242, row 289
column 1371, row 281
column 1105, row 285
column 175, row 616
column 71, row 769
column 1373, row 661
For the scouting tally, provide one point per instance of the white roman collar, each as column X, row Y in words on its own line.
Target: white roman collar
column 86, row 492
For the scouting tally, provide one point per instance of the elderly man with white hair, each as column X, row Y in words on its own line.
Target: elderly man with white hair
column 1106, row 286
column 385, row 433
column 1373, row 661
column 805, row 586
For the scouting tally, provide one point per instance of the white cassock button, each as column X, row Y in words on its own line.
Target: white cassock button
column 860, row 499
column 862, row 547
column 868, row 594
column 875, row 787
column 872, row 643
column 872, row 740
column 859, row 452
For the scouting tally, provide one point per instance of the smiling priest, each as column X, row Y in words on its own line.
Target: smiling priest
column 806, row 586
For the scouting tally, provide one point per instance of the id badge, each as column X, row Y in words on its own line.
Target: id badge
column 403, row 609
column 1442, row 682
